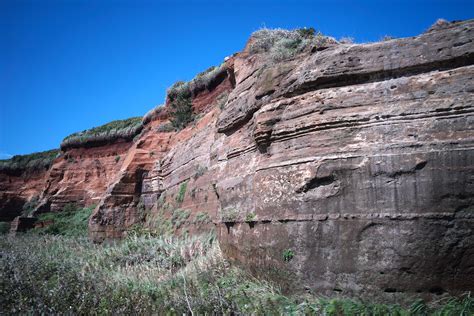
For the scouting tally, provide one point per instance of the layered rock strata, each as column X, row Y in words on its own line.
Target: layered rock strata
column 347, row 169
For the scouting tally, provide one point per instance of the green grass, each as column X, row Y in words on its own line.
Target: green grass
column 288, row 255
column 34, row 161
column 181, row 192
column 250, row 217
column 126, row 129
column 4, row 227
column 202, row 218
column 71, row 221
column 46, row 274
column 229, row 215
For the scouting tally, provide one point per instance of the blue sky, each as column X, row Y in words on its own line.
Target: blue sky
column 66, row 66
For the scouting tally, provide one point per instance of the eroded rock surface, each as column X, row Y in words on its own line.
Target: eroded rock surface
column 347, row 169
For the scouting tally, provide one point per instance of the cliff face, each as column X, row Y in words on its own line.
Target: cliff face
column 82, row 175
column 343, row 169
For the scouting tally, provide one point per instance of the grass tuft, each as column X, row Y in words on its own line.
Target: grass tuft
column 119, row 129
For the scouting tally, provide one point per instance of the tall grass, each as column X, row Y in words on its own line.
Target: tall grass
column 281, row 44
column 34, row 161
column 155, row 275
column 71, row 221
column 119, row 129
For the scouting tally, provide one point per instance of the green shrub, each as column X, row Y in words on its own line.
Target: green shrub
column 4, row 227
column 250, row 217
column 119, row 129
column 117, row 159
column 181, row 93
column 181, row 112
column 34, row 161
column 30, row 206
column 229, row 215
column 288, row 254
column 71, row 221
column 179, row 217
column 306, row 32
column 202, row 218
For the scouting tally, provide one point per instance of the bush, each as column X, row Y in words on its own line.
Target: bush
column 71, row 221
column 180, row 94
column 181, row 192
column 4, row 228
column 181, row 112
column 202, row 218
column 288, row 254
column 36, row 161
column 120, row 129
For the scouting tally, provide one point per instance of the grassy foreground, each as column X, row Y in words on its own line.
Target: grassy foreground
column 57, row 270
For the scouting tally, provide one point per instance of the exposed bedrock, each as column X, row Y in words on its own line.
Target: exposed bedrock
column 347, row 169
column 354, row 173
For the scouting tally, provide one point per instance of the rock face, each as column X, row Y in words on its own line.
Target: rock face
column 347, row 169
column 357, row 167
column 82, row 175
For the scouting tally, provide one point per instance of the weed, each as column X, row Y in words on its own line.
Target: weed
column 192, row 193
column 117, row 159
column 4, row 228
column 288, row 255
column 30, row 206
column 179, row 217
column 229, row 215
column 181, row 192
column 250, row 217
column 181, row 111
column 200, row 171
column 202, row 218
column 71, row 221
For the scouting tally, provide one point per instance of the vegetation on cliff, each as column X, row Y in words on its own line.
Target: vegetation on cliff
column 282, row 44
column 35, row 161
column 71, row 221
column 181, row 93
column 112, row 131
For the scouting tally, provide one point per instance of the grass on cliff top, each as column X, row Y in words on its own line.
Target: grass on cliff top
column 281, row 44
column 34, row 161
column 111, row 131
column 51, row 274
